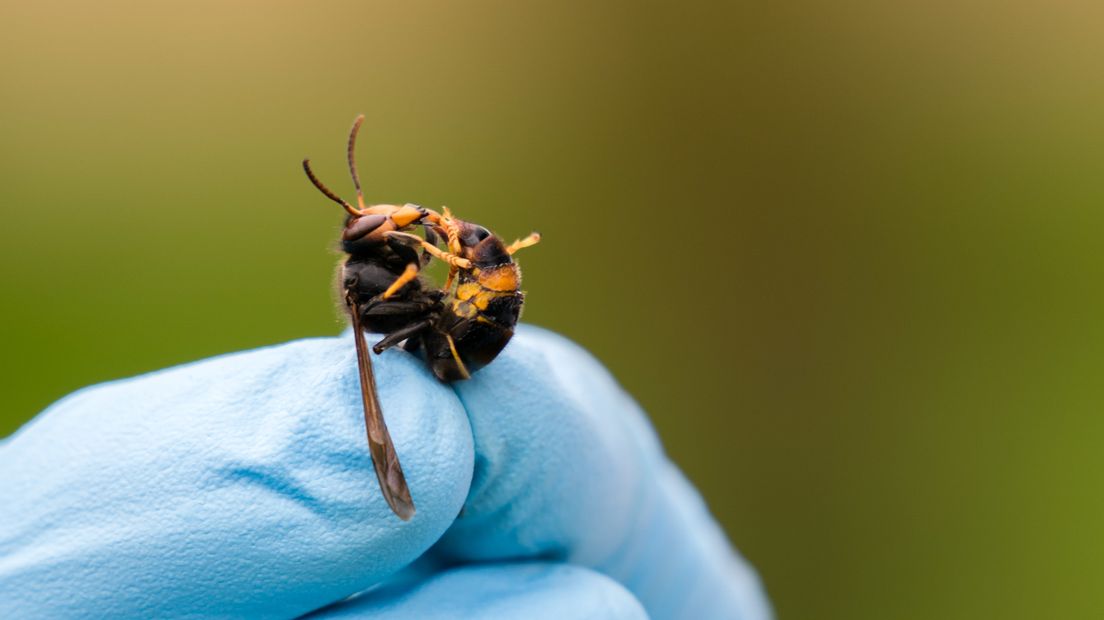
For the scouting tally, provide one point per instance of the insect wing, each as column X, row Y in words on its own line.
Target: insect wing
column 384, row 458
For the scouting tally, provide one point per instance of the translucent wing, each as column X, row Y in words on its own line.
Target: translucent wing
column 384, row 458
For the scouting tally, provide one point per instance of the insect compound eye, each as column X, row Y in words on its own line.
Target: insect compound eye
column 358, row 230
column 472, row 234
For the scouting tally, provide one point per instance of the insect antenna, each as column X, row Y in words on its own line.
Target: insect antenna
column 325, row 190
column 352, row 159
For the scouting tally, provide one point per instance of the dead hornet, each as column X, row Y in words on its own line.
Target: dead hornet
column 457, row 331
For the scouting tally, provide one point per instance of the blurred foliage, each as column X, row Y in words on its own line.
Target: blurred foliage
column 847, row 254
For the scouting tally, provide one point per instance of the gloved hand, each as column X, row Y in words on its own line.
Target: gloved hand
column 241, row 486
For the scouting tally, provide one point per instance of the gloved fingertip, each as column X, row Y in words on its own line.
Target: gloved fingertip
column 238, row 486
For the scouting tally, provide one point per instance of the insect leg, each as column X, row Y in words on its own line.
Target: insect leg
column 452, row 233
column 408, row 274
column 451, row 259
column 452, row 230
column 392, row 308
column 398, row 336
column 531, row 240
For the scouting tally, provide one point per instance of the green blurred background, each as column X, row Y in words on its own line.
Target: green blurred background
column 846, row 254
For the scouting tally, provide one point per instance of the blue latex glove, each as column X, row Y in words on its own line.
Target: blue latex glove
column 241, row 486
